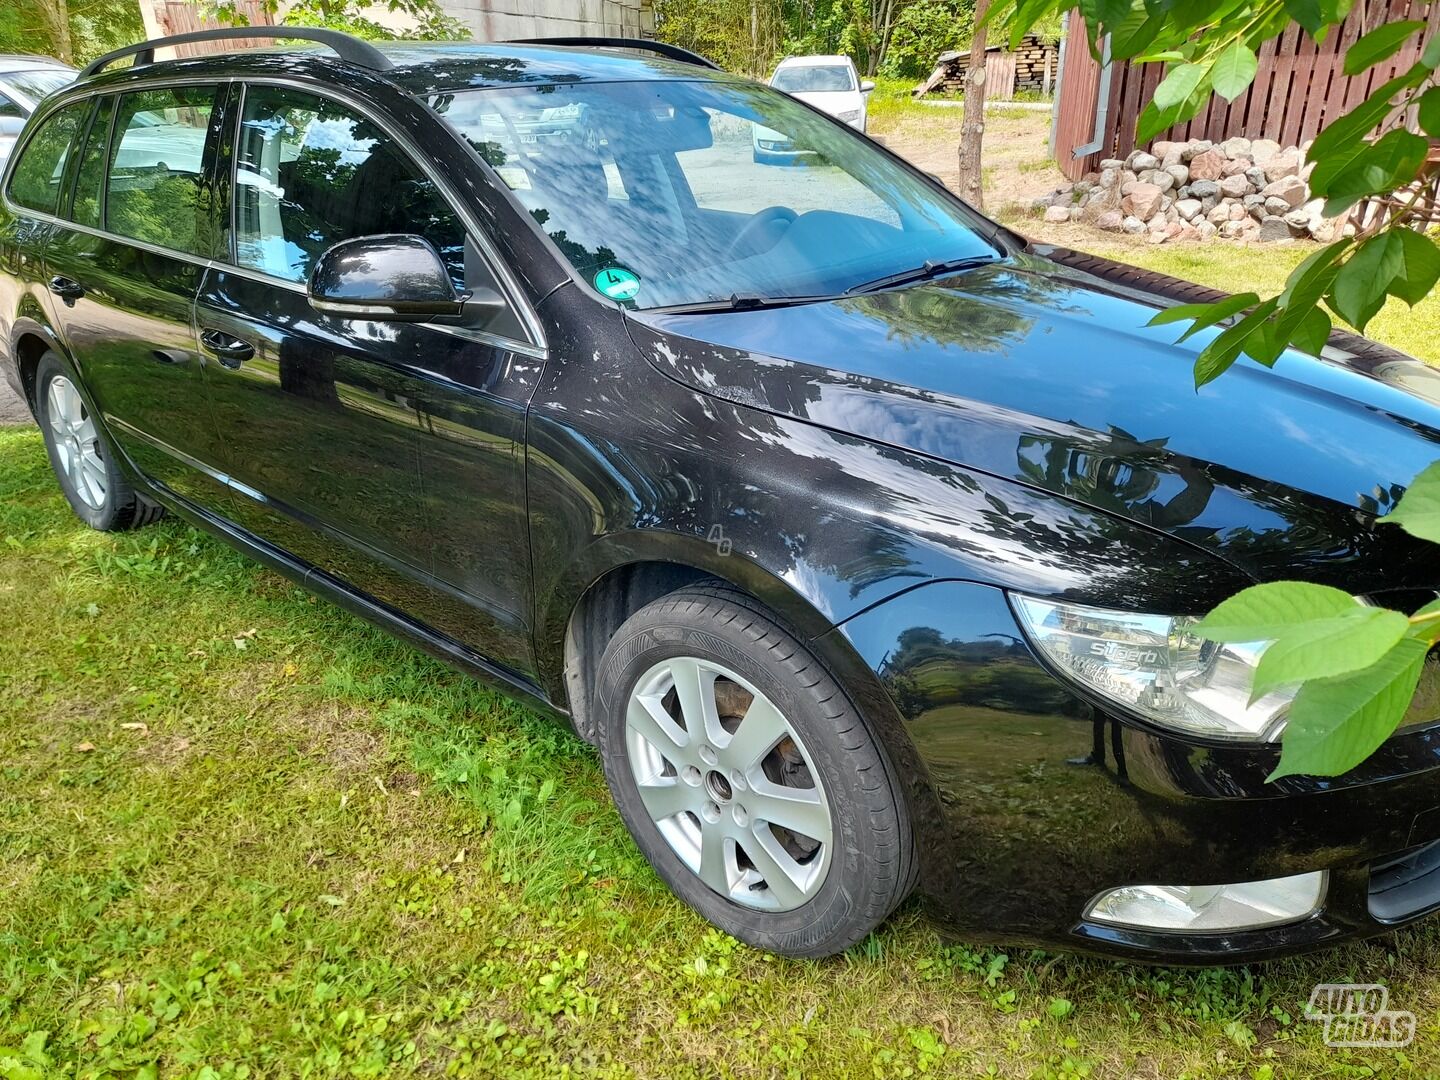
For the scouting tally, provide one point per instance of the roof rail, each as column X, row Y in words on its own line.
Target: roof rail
column 345, row 46
column 660, row 48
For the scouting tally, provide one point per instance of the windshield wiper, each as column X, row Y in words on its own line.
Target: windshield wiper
column 929, row 269
column 740, row 302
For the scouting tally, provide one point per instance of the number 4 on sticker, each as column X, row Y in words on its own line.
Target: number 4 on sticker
column 617, row 283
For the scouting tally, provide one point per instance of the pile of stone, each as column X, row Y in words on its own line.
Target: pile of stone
column 1240, row 189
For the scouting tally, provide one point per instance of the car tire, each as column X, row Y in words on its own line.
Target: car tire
column 83, row 460
column 704, row 798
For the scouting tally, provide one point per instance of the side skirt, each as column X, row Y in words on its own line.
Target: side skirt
column 343, row 595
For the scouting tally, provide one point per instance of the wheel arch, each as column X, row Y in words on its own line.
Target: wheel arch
column 621, row 574
column 31, row 337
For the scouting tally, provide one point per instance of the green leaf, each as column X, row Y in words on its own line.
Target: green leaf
column 1328, row 647
column 1380, row 44
column 1421, row 268
column 1234, row 70
column 1356, row 123
column 1361, row 284
column 1313, row 332
column 1111, row 13
column 1307, row 14
column 1217, row 357
column 1301, row 285
column 1391, row 162
column 1430, row 55
column 1179, row 83
column 1335, row 724
column 1203, row 315
column 1265, row 612
column 1429, row 112
column 1153, row 119
column 1418, row 511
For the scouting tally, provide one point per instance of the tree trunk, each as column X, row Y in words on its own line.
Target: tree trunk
column 972, row 130
column 57, row 21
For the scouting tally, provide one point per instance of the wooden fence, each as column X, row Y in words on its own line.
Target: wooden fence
column 1299, row 88
column 183, row 17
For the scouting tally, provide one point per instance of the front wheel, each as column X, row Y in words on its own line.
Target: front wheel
column 747, row 778
column 83, row 462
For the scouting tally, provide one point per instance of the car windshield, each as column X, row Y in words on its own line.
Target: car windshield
column 813, row 78
column 37, row 84
column 665, row 193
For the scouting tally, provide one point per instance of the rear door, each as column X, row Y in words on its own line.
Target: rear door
column 125, row 264
column 368, row 448
column 33, row 195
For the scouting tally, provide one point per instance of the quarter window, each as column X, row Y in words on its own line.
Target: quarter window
column 310, row 173
column 156, row 186
column 40, row 173
column 90, row 180
column 9, row 110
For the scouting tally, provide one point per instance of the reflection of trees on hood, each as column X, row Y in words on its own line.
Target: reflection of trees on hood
column 981, row 311
column 1119, row 473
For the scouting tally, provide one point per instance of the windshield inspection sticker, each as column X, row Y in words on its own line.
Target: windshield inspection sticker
column 617, row 283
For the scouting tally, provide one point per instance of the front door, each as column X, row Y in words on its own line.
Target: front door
column 125, row 266
column 327, row 419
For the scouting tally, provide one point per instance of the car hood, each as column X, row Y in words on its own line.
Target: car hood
column 830, row 101
column 1042, row 374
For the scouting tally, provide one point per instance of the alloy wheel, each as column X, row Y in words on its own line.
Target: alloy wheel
column 728, row 784
column 77, row 443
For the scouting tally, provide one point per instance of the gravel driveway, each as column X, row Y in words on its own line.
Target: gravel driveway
column 12, row 409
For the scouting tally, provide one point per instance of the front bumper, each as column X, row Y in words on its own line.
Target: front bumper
column 1030, row 801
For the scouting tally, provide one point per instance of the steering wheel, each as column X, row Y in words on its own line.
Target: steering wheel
column 765, row 219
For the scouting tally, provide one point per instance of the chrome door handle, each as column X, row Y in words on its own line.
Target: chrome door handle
column 228, row 349
column 67, row 289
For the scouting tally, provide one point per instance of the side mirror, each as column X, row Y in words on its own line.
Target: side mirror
column 866, row 86
column 393, row 277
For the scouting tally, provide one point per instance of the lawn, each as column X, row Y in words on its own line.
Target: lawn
column 243, row 834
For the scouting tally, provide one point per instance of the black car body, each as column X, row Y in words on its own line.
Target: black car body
column 883, row 471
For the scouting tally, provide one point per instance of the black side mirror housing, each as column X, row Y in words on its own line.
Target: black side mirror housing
column 392, row 277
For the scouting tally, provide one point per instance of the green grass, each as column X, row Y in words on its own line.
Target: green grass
column 244, row 835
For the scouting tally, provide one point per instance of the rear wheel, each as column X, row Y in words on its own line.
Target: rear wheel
column 94, row 486
column 747, row 778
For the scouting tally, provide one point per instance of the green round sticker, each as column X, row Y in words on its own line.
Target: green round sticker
column 617, row 283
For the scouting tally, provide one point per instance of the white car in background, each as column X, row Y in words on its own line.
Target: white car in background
column 24, row 80
column 829, row 83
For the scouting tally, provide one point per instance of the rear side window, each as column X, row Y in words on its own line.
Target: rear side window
column 156, row 167
column 310, row 173
column 40, row 173
column 90, row 180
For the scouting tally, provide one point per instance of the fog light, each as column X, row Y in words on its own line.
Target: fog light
column 1211, row 908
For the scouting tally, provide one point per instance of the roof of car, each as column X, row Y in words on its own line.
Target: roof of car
column 446, row 65
column 814, row 61
column 27, row 61
column 421, row 68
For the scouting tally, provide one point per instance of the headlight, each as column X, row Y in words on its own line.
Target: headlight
column 1155, row 667
column 850, row 117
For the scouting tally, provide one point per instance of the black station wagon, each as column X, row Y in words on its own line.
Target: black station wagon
column 861, row 536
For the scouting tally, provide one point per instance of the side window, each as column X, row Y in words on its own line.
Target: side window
column 310, row 173
column 40, row 173
column 9, row 110
column 90, row 180
column 156, row 167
